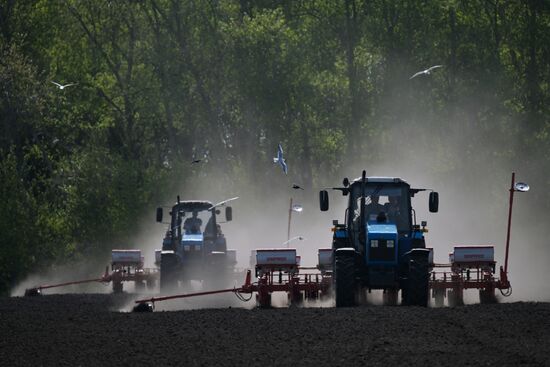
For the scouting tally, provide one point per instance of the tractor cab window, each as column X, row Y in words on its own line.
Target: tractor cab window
column 382, row 203
column 193, row 221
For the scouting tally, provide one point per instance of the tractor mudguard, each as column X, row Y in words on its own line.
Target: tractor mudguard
column 170, row 254
column 345, row 251
column 417, row 253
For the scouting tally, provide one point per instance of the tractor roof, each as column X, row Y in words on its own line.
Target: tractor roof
column 381, row 180
column 191, row 205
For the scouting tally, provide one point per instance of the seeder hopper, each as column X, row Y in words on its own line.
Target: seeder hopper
column 469, row 267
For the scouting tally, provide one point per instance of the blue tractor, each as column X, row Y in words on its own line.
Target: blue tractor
column 194, row 247
column 380, row 245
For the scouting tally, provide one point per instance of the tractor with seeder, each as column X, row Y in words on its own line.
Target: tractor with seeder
column 380, row 246
column 191, row 252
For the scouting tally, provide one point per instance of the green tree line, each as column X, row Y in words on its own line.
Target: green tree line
column 163, row 81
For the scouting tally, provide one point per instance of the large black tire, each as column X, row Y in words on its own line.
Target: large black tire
column 344, row 273
column 168, row 276
column 419, row 275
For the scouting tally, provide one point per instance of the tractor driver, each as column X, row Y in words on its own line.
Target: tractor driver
column 372, row 209
column 392, row 208
column 193, row 225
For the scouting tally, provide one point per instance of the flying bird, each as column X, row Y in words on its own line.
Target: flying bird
column 280, row 159
column 426, row 72
column 297, row 187
column 60, row 86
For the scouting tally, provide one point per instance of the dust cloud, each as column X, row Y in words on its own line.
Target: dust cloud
column 67, row 273
column 473, row 211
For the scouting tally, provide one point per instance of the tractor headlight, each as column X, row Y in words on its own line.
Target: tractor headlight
column 390, row 244
column 197, row 248
column 374, row 243
column 186, row 248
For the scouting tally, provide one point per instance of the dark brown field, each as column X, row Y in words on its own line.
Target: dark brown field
column 88, row 330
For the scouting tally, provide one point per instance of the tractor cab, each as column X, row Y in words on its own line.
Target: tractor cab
column 386, row 200
column 194, row 224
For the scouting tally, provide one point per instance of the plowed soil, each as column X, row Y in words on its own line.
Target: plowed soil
column 94, row 330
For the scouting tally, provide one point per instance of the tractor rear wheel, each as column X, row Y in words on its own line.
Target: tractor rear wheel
column 345, row 280
column 418, row 281
column 168, row 279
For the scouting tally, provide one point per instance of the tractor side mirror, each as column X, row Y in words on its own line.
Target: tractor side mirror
column 434, row 202
column 323, row 200
column 228, row 214
column 346, row 182
column 159, row 215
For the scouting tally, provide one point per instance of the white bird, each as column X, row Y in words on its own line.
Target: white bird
column 280, row 159
column 426, row 72
column 60, row 86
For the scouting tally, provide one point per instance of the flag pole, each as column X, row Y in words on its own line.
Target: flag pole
column 289, row 218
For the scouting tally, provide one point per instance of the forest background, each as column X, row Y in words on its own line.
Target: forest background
column 163, row 82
